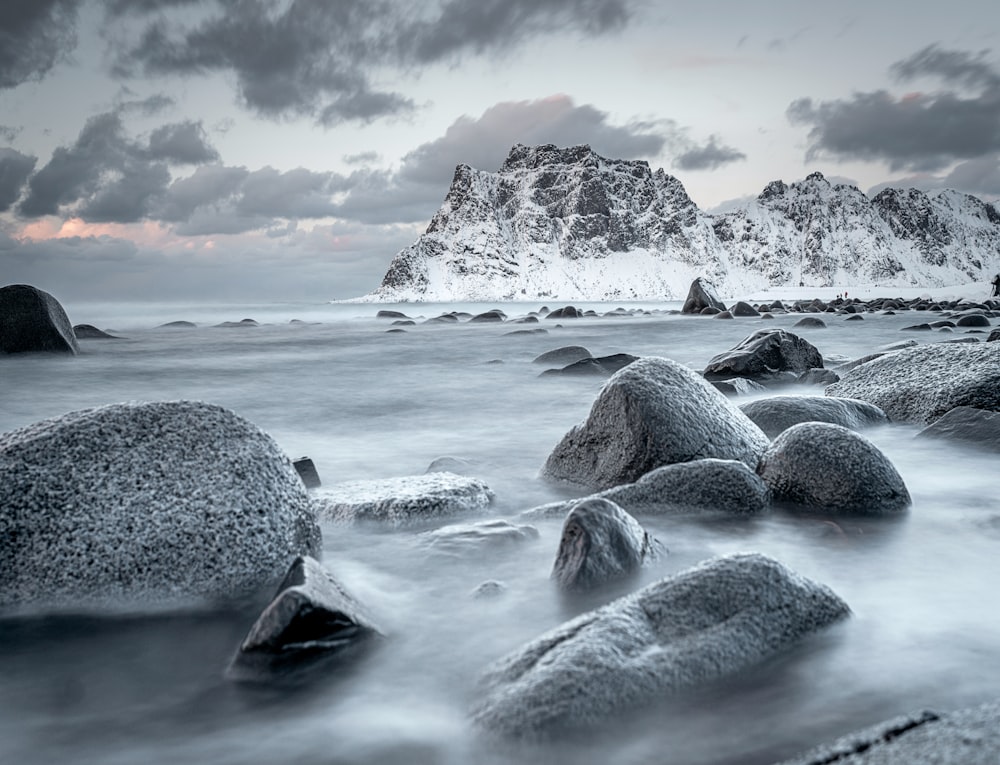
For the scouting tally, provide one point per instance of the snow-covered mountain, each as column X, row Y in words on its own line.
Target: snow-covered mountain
column 568, row 224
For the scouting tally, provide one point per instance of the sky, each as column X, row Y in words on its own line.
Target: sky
column 285, row 150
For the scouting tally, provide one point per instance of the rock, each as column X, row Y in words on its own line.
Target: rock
column 737, row 386
column 744, row 309
column 919, row 385
column 653, row 412
column 33, row 320
column 600, row 543
column 855, row 317
column 537, row 331
column 994, row 336
column 495, row 315
column 917, row 328
column 241, row 324
column 824, row 468
column 476, row 539
column 683, row 632
column 722, row 315
column 565, row 355
column 763, row 355
column 399, row 501
column 311, row 621
column 602, row 366
column 90, row 332
column 976, row 427
column 178, row 325
column 457, row 465
column 568, row 312
column 810, row 321
column 385, row 314
column 489, row 589
column 818, row 377
column 307, row 472
column 144, row 506
column 711, row 310
column 404, row 323
column 702, row 295
column 973, row 320
column 778, row 413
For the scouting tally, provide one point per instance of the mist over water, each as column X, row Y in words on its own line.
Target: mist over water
column 366, row 404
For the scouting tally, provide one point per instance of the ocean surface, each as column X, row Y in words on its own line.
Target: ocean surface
column 329, row 382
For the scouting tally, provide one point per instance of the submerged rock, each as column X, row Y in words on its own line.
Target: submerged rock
column 33, row 320
column 602, row 366
column 565, row 355
column 146, row 505
column 653, row 412
column 778, row 413
column 975, row 427
column 683, row 632
column 764, row 355
column 477, row 538
column 90, row 332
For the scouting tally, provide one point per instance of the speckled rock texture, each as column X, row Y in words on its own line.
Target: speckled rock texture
column 919, row 385
column 476, row 539
column 966, row 737
column 311, row 620
column 145, row 505
column 654, row 412
column 702, row 295
column 778, row 413
column 823, row 468
column 764, row 354
column 601, row 543
column 700, row 487
column 404, row 500
column 976, row 428
column 709, row 622
column 33, row 320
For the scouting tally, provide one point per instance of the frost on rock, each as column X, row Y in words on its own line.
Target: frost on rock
column 143, row 505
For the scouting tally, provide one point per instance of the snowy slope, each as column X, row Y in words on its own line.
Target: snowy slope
column 569, row 224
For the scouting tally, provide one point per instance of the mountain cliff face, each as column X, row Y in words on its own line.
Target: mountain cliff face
column 569, row 224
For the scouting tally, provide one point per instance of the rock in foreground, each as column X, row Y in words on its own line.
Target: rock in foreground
column 146, row 505
column 708, row 622
column 33, row 320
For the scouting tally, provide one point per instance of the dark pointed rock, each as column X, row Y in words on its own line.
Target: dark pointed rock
column 33, row 320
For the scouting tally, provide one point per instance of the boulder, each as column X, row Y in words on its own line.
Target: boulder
column 146, row 505
column 600, row 543
column 778, row 413
column 489, row 590
column 712, row 621
column 90, row 332
column 973, row 320
column 386, row 314
column 33, row 320
column 764, row 355
column 400, row 501
column 568, row 354
column 653, row 412
column 567, row 312
column 723, row 315
column 994, row 336
column 311, row 622
column 818, row 377
column 824, row 468
column 601, row 366
column 737, row 386
column 744, row 309
column 919, row 385
column 810, row 322
column 494, row 315
column 975, row 427
column 702, row 295
column 476, row 539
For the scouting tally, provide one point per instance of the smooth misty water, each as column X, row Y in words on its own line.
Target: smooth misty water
column 366, row 404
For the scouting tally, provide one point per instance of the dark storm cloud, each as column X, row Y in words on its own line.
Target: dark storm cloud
column 710, row 156
column 182, row 143
column 304, row 58
column 15, row 168
column 919, row 131
column 147, row 107
column 34, row 35
column 979, row 177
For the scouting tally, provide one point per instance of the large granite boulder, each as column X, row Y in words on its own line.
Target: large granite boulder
column 33, row 320
column 764, row 355
column 146, row 505
column 920, row 384
column 403, row 500
column 824, row 468
column 778, row 413
column 708, row 487
column 681, row 633
column 600, row 543
column 311, row 622
column 653, row 412
column 702, row 295
column 977, row 428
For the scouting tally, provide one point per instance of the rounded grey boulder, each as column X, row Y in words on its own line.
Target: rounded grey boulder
column 651, row 413
column 146, row 505
column 778, row 413
column 763, row 355
column 819, row 467
column 33, row 320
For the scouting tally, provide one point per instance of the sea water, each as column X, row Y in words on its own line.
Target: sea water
column 330, row 382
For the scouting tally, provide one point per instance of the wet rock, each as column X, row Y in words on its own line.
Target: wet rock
column 737, row 386
column 567, row 312
column 405, row 500
column 311, row 622
column 810, row 322
column 404, row 323
column 778, row 413
column 917, row 328
column 722, row 315
column 763, row 356
column 146, row 505
column 33, row 320
column 824, row 468
column 973, row 320
column 711, row 310
column 855, row 317
column 568, row 354
column 702, row 295
column 178, row 325
column 975, row 427
column 90, row 332
column 495, row 315
column 385, row 314
column 709, row 622
column 457, row 465
column 994, row 336
column 307, row 472
column 744, row 309
column 536, row 331
column 489, row 589
column 477, row 538
column 653, row 412
column 920, row 384
column 600, row 543
column 241, row 324
column 818, row 377
column 602, row 366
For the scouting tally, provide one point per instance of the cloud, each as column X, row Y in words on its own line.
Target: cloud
column 711, row 156
column 979, row 177
column 34, row 35
column 183, row 143
column 8, row 133
column 321, row 60
column 147, row 107
column 15, row 168
column 919, row 131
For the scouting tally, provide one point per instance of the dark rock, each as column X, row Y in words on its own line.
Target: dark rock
column 565, row 355
column 920, row 384
column 709, row 622
column 311, row 622
column 942, row 323
column 711, row 310
column 722, row 315
column 778, row 413
column 146, row 505
column 477, row 539
column 603, row 365
column 764, row 354
column 819, row 467
column 33, row 320
column 994, row 336
column 396, row 331
column 917, row 328
column 973, row 320
column 241, row 324
column 600, row 543
column 702, row 295
column 404, row 323
column 491, row 588
column 537, row 331
column 384, row 314
column 496, row 315
column 744, row 309
column 568, row 312
column 307, row 472
column 653, row 412
column 810, row 321
column 975, row 427
column 178, row 325
column 855, row 317
column 90, row 332
column 737, row 386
